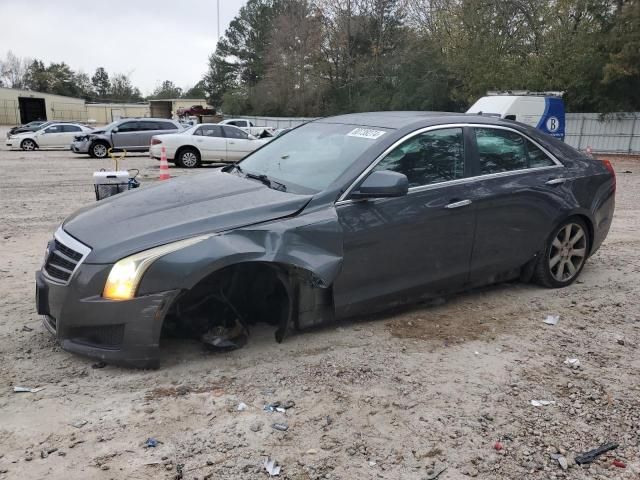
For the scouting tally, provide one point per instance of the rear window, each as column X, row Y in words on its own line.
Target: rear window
column 167, row 126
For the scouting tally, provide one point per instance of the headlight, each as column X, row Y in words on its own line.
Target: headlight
column 126, row 274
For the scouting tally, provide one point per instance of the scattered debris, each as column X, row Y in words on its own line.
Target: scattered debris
column 627, row 171
column 591, row 455
column 572, row 362
column 620, row 340
column 27, row 389
column 279, row 406
column 99, row 365
column 242, row 407
column 619, row 464
column 283, row 427
column 498, row 446
column 255, row 427
column 552, row 319
column 435, row 472
column 27, row 329
column 562, row 461
column 79, row 423
column 179, row 471
column 272, row 468
column 542, row 403
column 151, row 443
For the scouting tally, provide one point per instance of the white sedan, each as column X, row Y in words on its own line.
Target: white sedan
column 54, row 135
column 207, row 142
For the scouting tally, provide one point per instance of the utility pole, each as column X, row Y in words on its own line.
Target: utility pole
column 218, row 17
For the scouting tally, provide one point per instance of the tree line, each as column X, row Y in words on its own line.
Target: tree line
column 61, row 79
column 319, row 57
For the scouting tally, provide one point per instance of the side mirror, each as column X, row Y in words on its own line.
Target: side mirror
column 115, row 130
column 252, row 137
column 383, row 183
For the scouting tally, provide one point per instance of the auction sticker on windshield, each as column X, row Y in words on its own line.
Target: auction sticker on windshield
column 366, row 133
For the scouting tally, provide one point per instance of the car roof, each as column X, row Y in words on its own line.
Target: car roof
column 401, row 119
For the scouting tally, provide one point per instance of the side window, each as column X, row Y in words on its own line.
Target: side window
column 430, row 157
column 537, row 158
column 500, row 150
column 71, row 128
column 168, row 126
column 147, row 125
column 212, row 131
column 231, row 132
column 53, row 129
column 128, row 127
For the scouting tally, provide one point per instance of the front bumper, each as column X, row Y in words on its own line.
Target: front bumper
column 80, row 146
column 13, row 143
column 119, row 332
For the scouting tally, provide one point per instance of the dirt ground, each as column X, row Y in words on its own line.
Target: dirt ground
column 398, row 396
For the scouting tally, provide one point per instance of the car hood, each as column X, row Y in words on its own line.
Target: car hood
column 22, row 134
column 176, row 209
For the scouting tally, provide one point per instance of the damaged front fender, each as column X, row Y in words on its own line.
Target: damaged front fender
column 309, row 244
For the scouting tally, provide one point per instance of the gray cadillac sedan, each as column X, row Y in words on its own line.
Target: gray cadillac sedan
column 339, row 217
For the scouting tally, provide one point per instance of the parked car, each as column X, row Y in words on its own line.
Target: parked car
column 53, row 135
column 131, row 134
column 249, row 127
column 338, row 217
column 205, row 143
column 27, row 127
column 195, row 110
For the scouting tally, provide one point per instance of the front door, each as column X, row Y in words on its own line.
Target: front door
column 52, row 137
column 211, row 142
column 126, row 136
column 420, row 243
column 238, row 143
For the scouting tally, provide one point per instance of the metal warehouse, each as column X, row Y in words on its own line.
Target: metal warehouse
column 22, row 106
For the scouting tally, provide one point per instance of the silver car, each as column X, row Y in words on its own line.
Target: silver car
column 131, row 134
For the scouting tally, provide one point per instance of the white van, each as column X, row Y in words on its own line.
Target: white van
column 543, row 110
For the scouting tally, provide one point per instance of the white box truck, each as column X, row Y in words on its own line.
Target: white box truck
column 542, row 110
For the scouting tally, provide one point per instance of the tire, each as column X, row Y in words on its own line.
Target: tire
column 564, row 255
column 99, row 150
column 188, row 158
column 28, row 145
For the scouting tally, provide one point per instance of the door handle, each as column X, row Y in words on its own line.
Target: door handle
column 232, row 143
column 555, row 181
column 461, row 203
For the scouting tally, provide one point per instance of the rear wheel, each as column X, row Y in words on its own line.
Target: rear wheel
column 188, row 158
column 564, row 256
column 28, row 145
column 99, row 150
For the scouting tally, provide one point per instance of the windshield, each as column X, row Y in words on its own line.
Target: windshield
column 311, row 157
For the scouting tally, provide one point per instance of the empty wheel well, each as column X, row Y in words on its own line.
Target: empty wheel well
column 245, row 293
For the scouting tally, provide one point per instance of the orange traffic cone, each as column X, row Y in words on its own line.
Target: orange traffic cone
column 164, row 166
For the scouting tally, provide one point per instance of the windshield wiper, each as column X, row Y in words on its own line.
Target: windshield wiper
column 262, row 178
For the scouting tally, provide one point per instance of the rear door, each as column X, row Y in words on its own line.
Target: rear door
column 518, row 192
column 239, row 145
column 211, row 142
column 68, row 132
column 419, row 242
column 127, row 135
column 147, row 129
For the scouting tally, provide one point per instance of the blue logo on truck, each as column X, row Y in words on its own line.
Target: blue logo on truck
column 552, row 121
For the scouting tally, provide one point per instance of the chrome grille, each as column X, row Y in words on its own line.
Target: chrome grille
column 65, row 253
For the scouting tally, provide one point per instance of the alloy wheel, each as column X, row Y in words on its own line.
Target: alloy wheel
column 99, row 150
column 189, row 159
column 28, row 145
column 568, row 252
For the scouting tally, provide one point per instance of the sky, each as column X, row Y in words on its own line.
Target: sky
column 150, row 40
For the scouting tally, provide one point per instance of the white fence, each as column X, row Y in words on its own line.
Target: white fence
column 613, row 133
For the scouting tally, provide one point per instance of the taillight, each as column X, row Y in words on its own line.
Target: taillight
column 156, row 141
column 608, row 166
